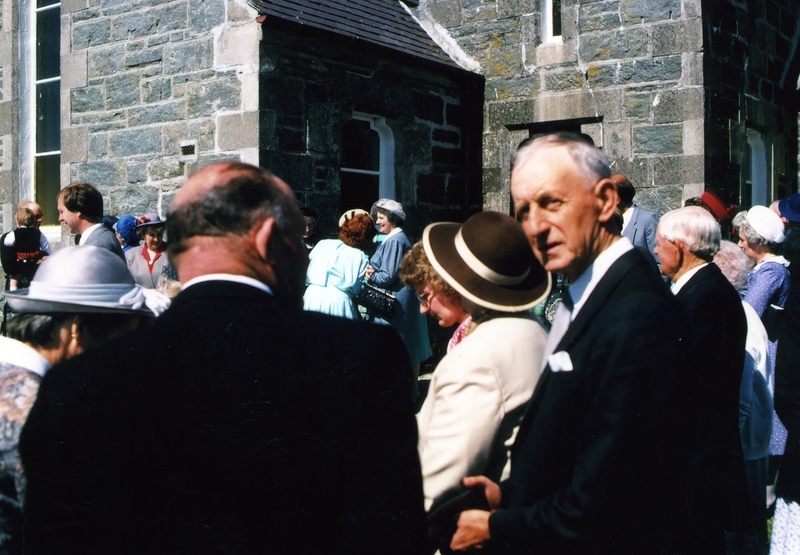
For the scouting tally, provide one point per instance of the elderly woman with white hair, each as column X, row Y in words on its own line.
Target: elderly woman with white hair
column 79, row 298
column 760, row 235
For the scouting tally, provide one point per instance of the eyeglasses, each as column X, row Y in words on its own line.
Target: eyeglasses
column 425, row 298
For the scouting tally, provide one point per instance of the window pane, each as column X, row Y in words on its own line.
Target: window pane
column 556, row 18
column 46, row 186
column 45, row 3
column 48, row 43
column 360, row 146
column 48, row 116
column 358, row 190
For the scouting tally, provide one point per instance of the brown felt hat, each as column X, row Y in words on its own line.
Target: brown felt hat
column 489, row 261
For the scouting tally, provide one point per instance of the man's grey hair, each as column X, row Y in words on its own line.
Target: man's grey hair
column 733, row 263
column 590, row 160
column 693, row 226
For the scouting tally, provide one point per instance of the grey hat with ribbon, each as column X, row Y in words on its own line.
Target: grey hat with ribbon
column 489, row 261
column 85, row 279
column 390, row 206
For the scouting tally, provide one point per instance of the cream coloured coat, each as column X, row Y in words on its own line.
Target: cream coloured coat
column 476, row 400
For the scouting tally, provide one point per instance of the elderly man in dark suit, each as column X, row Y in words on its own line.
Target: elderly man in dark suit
column 236, row 422
column 594, row 467
column 80, row 208
column 688, row 239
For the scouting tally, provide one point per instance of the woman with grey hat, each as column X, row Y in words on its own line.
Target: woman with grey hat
column 79, row 298
column 148, row 263
column 479, row 391
column 383, row 270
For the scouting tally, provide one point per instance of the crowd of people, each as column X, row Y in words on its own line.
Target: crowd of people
column 271, row 412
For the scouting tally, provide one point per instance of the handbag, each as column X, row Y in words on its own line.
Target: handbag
column 376, row 299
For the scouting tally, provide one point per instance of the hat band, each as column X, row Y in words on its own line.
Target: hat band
column 108, row 295
column 482, row 269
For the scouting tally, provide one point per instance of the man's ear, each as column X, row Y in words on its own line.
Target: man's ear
column 605, row 192
column 262, row 236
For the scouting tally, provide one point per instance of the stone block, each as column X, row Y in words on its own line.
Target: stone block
column 73, row 6
column 660, row 199
column 82, row 15
column 513, row 89
column 429, row 107
column 142, row 23
column 98, row 146
column 677, row 170
column 156, row 113
column 647, row 11
column 631, row 43
column 512, row 8
column 637, row 170
column 88, row 99
column 556, row 53
column 604, row 22
column 508, row 113
column 6, row 118
column 658, row 139
column 203, row 132
column 160, row 170
column 693, row 137
column 563, row 80
column 206, row 99
column 666, row 68
column 608, row 103
column 552, row 107
column 240, row 11
column 204, row 15
column 678, row 105
column 446, row 13
column 122, row 90
column 157, row 40
column 136, row 172
column 133, row 142
column 678, row 37
column 238, row 45
column 189, row 56
column 235, row 131
column 91, row 33
column 110, row 7
column 143, row 58
column 156, row 90
column 294, row 169
column 74, row 144
column 447, row 137
column 594, row 9
column 101, row 174
column 133, row 199
column 692, row 64
column 106, row 61
column 74, row 70
column 637, row 105
column 431, row 188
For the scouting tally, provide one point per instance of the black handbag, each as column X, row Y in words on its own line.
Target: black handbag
column 376, row 299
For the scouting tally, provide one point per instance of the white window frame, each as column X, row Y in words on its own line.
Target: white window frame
column 385, row 173
column 760, row 175
column 547, row 24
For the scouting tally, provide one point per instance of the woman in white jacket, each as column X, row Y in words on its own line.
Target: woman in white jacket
column 481, row 388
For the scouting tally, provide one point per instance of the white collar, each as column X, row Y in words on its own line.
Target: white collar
column 627, row 216
column 21, row 355
column 585, row 284
column 394, row 231
column 678, row 285
column 85, row 235
column 229, row 277
column 778, row 259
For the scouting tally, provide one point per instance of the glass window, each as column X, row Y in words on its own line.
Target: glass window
column 551, row 21
column 367, row 169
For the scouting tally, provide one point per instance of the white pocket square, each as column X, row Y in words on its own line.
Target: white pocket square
column 560, row 362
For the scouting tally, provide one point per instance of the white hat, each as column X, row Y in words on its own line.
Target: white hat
column 766, row 223
column 350, row 214
column 85, row 279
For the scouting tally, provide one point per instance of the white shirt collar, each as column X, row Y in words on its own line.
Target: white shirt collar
column 229, row 277
column 394, row 231
column 85, row 235
column 772, row 258
column 675, row 287
column 21, row 355
column 585, row 284
column 627, row 216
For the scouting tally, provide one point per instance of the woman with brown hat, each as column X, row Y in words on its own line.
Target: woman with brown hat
column 480, row 389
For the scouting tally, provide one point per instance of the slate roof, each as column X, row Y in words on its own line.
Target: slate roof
column 380, row 22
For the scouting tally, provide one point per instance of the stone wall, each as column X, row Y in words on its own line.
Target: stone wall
column 751, row 86
column 9, row 112
column 152, row 91
column 310, row 87
column 628, row 71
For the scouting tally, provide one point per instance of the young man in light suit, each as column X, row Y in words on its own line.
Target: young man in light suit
column 639, row 225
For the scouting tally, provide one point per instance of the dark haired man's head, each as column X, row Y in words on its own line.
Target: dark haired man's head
column 625, row 190
column 235, row 218
column 80, row 206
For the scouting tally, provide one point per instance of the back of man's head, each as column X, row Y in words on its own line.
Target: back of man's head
column 84, row 198
column 695, row 228
column 625, row 189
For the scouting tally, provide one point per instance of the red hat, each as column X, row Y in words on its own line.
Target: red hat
column 717, row 207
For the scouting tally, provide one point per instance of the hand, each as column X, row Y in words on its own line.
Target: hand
column 490, row 489
column 370, row 270
column 472, row 531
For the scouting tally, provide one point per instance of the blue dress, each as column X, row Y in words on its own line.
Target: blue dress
column 768, row 284
column 333, row 278
column 407, row 320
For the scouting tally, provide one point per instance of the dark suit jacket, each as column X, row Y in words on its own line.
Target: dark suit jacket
column 787, row 396
column 105, row 239
column 642, row 229
column 593, row 468
column 232, row 423
column 719, row 329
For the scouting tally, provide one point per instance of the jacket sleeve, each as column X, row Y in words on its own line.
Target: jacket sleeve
column 387, row 263
column 787, row 368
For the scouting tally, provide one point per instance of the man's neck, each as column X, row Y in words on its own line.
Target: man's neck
column 690, row 262
column 84, row 225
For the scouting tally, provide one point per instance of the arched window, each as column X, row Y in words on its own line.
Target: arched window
column 367, row 170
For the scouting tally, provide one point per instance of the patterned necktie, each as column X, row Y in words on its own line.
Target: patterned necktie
column 560, row 324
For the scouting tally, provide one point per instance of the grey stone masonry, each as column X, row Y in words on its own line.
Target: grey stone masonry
column 623, row 71
column 148, row 77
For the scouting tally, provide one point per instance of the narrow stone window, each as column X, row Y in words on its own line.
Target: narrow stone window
column 551, row 21
column 41, row 105
column 757, row 177
column 367, row 168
